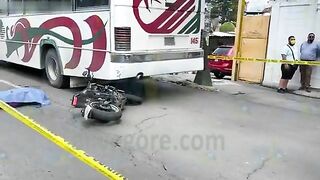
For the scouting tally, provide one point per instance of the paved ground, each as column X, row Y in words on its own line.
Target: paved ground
column 236, row 131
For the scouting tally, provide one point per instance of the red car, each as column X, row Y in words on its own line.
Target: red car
column 221, row 68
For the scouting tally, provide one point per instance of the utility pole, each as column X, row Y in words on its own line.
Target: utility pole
column 203, row 77
column 235, row 65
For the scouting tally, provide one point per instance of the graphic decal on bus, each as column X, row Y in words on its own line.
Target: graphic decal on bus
column 171, row 19
column 2, row 30
column 23, row 32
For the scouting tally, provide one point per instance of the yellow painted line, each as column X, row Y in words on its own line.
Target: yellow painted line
column 65, row 145
column 297, row 62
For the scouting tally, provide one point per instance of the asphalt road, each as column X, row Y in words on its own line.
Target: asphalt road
column 239, row 131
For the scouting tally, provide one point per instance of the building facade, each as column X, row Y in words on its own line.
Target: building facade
column 291, row 17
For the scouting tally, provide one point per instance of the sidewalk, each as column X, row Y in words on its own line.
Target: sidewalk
column 226, row 85
column 315, row 93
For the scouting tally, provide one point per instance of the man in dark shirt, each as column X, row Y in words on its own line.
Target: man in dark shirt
column 308, row 52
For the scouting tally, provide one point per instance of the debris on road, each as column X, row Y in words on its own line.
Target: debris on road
column 182, row 81
column 238, row 93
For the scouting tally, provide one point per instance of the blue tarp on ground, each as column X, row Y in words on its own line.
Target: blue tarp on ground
column 25, row 95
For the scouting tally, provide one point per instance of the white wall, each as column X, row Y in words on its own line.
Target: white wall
column 257, row 5
column 297, row 18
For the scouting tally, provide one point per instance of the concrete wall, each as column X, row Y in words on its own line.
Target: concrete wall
column 297, row 18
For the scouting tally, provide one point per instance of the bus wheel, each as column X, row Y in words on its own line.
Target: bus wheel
column 53, row 69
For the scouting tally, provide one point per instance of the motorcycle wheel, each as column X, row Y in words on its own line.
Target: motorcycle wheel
column 103, row 112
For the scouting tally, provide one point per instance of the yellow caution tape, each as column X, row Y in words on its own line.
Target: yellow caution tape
column 65, row 145
column 229, row 58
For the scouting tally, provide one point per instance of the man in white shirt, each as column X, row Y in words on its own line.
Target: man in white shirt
column 289, row 53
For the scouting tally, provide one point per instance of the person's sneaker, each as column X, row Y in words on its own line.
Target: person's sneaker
column 286, row 90
column 280, row 90
column 301, row 88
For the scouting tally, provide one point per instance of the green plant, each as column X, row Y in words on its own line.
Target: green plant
column 227, row 27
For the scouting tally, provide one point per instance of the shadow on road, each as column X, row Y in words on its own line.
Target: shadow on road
column 148, row 88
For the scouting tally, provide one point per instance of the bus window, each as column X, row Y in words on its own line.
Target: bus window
column 3, row 7
column 91, row 3
column 46, row 6
column 15, row 7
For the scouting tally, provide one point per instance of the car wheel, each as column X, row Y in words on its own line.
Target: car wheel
column 53, row 69
column 219, row 75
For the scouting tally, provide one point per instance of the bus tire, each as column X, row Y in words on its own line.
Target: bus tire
column 53, row 70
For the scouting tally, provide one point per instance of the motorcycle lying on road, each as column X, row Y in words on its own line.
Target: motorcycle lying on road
column 104, row 103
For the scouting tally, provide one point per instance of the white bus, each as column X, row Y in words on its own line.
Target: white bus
column 114, row 39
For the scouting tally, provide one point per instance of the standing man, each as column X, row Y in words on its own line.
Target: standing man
column 289, row 53
column 308, row 52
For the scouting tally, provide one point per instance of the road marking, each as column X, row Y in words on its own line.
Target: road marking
column 65, row 145
column 9, row 83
